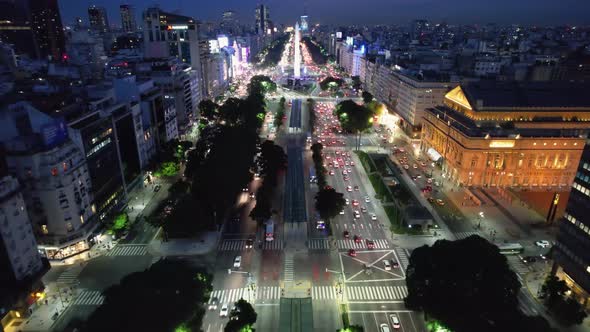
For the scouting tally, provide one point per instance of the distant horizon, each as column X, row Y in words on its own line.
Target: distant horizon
column 376, row 12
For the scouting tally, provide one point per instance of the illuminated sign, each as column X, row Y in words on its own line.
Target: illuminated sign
column 339, row 35
column 501, row 144
column 213, row 46
column 223, row 41
column 177, row 27
column 349, row 40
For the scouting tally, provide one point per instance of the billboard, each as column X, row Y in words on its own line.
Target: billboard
column 339, row 35
column 54, row 133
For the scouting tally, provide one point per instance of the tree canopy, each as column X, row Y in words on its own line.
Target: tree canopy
column 329, row 203
column 332, row 83
column 243, row 315
column 354, row 117
column 261, row 84
column 465, row 284
column 566, row 309
column 166, row 295
column 208, row 109
column 367, row 97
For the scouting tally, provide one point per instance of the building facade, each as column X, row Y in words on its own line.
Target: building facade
column 508, row 134
column 571, row 253
column 262, row 20
column 98, row 19
column 128, row 23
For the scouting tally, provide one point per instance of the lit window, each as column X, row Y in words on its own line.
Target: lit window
column 54, row 171
column 44, row 229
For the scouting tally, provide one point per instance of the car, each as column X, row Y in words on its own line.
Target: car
column 436, row 183
column 414, row 166
column 394, row 264
column 320, row 224
column 249, row 243
column 224, row 310
column 341, row 211
column 363, row 209
column 414, row 177
column 345, row 178
column 429, row 181
column 357, row 239
column 355, row 202
column 384, row 328
column 367, row 199
column 346, row 234
column 387, row 265
column 157, row 188
column 346, row 201
column 252, row 195
column 543, row 243
column 356, row 214
column 406, row 166
column 370, row 244
column 237, row 262
column 352, row 253
column 395, row 321
column 440, row 202
column 373, row 216
column 356, row 188
column 256, row 175
column 423, row 164
column 529, row 259
column 349, row 188
column 351, row 163
column 245, row 189
column 331, row 172
column 431, row 199
column 213, row 304
column 344, row 172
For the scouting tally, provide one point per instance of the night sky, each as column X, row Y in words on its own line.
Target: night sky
column 348, row 12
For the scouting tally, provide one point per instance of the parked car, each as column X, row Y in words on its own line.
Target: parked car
column 543, row 243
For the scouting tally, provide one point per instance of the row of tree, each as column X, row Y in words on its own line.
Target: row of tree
column 222, row 162
column 331, row 83
column 312, row 115
column 271, row 161
column 355, row 118
column 271, row 55
column 467, row 285
column 318, row 54
column 328, row 202
column 168, row 295
column 278, row 121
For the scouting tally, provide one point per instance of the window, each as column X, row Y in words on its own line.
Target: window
column 44, row 229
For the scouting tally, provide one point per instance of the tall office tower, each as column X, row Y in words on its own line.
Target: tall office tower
column 262, row 19
column 33, row 27
column 97, row 16
column 304, row 25
column 571, row 253
column 229, row 22
column 128, row 18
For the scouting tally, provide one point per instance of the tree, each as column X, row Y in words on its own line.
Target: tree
column 242, row 316
column 567, row 310
column 352, row 328
column 367, row 97
column 271, row 161
column 261, row 84
column 230, row 111
column 354, row 118
column 186, row 218
column 142, row 301
column 331, row 83
column 262, row 211
column 356, row 82
column 450, row 279
column 329, row 203
column 179, row 187
column 119, row 224
column 208, row 109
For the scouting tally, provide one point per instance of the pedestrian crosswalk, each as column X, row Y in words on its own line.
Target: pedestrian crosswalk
column 517, row 264
column 350, row 244
column 240, row 244
column 463, row 235
column 69, row 276
column 87, row 297
column 323, row 293
column 318, row 244
column 260, row 293
column 288, row 275
column 375, row 293
column 128, row 250
column 403, row 256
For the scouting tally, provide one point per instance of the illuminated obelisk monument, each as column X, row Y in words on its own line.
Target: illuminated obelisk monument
column 297, row 56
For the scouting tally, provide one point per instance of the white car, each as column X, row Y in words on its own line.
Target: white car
column 387, row 265
column 373, row 216
column 543, row 243
column 367, row 199
column 342, row 212
column 347, row 201
column 385, row 328
column 238, row 262
column 224, row 311
column 395, row 321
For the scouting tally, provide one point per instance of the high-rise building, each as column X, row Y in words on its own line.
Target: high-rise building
column 229, row 22
column 262, row 20
column 171, row 35
column 33, row 26
column 304, row 25
column 571, row 253
column 128, row 18
column 97, row 16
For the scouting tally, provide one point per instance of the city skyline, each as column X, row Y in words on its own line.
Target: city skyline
column 344, row 12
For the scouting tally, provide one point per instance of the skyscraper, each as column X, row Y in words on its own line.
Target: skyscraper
column 33, row 27
column 128, row 18
column 304, row 26
column 262, row 19
column 97, row 16
column 229, row 22
column 572, row 250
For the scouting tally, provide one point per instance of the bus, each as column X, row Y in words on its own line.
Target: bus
column 312, row 177
column 510, row 248
column 269, row 231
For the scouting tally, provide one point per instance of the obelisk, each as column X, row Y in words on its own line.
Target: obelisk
column 297, row 59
